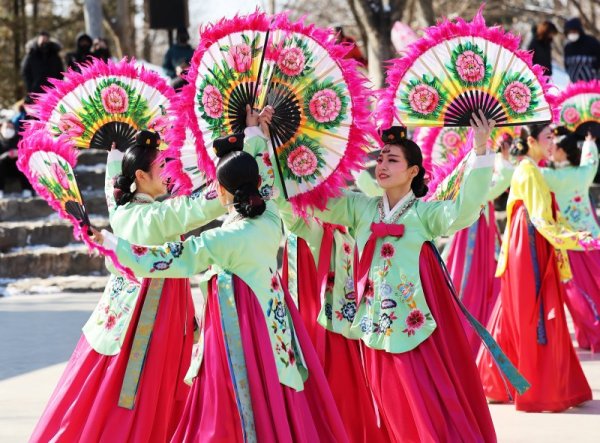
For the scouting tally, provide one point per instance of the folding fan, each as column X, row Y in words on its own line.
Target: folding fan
column 48, row 163
column 321, row 115
column 580, row 107
column 459, row 67
column 105, row 104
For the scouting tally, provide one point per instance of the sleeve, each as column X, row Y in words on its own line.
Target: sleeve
column 503, row 172
column 367, row 184
column 539, row 207
column 114, row 164
column 345, row 210
column 573, row 177
column 174, row 259
column 309, row 230
column 449, row 216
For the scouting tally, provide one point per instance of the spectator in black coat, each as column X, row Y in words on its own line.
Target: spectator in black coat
column 541, row 45
column 582, row 52
column 100, row 49
column 83, row 48
column 179, row 53
column 41, row 62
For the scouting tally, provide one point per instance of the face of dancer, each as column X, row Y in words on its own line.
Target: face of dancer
column 151, row 182
column 392, row 170
column 543, row 146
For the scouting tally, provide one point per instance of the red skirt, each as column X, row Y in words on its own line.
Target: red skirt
column 553, row 370
column 432, row 393
column 84, row 405
column 339, row 356
column 472, row 266
column 281, row 414
column 583, row 298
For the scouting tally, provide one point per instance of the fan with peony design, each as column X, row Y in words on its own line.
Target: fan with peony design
column 48, row 163
column 579, row 107
column 457, row 68
column 105, row 104
column 319, row 101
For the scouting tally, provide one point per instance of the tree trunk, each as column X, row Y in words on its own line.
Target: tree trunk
column 125, row 28
column 93, row 16
column 379, row 50
column 427, row 12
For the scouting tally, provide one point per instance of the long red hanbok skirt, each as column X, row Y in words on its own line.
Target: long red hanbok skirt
column 339, row 356
column 553, row 370
column 281, row 414
column 84, row 405
column 432, row 393
column 583, row 298
column 472, row 265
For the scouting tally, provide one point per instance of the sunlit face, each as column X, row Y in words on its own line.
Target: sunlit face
column 392, row 169
column 543, row 146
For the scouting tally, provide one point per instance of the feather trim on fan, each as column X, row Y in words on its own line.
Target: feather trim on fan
column 579, row 106
column 59, row 187
column 445, row 97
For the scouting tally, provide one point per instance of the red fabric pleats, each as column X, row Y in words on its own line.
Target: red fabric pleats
column 432, row 393
column 553, row 370
column 84, row 405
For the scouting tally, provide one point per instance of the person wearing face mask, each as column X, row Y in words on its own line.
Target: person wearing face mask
column 541, row 45
column 8, row 158
column 41, row 63
column 528, row 321
column 582, row 52
column 100, row 49
column 83, row 47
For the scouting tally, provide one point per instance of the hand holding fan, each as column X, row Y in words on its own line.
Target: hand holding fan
column 48, row 164
column 320, row 116
column 459, row 67
column 105, row 104
column 579, row 107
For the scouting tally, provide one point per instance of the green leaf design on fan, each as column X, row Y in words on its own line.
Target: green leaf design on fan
column 423, row 98
column 302, row 160
column 519, row 96
column 325, row 104
column 469, row 65
column 61, row 181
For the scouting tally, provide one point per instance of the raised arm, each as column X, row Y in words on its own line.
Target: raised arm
column 503, row 172
column 576, row 176
column 114, row 165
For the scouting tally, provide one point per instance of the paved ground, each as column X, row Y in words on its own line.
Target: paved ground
column 39, row 333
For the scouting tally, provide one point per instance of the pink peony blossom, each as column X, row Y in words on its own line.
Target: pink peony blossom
column 470, row 67
column 60, row 175
column 451, row 139
column 212, row 101
column 415, row 320
column 325, row 106
column 159, row 123
column 70, row 124
column 571, row 115
column 423, row 99
column 114, row 99
column 302, row 161
column 518, row 96
column 291, row 61
column 595, row 109
column 240, row 57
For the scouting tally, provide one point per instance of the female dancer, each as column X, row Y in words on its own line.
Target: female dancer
column 529, row 319
column 124, row 381
column 262, row 380
column 570, row 185
column 417, row 358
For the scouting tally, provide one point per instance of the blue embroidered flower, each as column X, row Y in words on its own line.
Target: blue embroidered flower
column 385, row 323
column 279, row 313
column 366, row 324
column 349, row 283
column 328, row 311
column 117, row 286
column 385, row 290
column 161, row 265
column 349, row 311
column 266, row 192
column 176, row 248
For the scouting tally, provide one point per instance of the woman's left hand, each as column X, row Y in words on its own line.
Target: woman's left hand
column 482, row 130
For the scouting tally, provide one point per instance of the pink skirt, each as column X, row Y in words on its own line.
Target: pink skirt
column 472, row 265
column 281, row 414
column 583, row 298
column 84, row 405
column 432, row 393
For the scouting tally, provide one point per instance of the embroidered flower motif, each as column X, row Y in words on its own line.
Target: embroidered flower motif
column 571, row 115
column 266, row 192
column 349, row 311
column 279, row 312
column 240, row 57
column 161, row 265
column 423, row 99
column 114, row 99
column 211, row 195
column 266, row 158
column 384, row 326
column 328, row 311
column 577, row 199
column 275, row 283
column 388, row 303
column 330, row 281
column 111, row 321
column 139, row 250
column 387, row 250
column 518, row 96
column 366, row 324
column 595, row 109
column 118, row 285
column 292, row 356
column 349, row 283
column 291, row 61
column 325, row 106
column 212, row 100
column 385, row 290
column 302, row 161
column 347, row 248
column 414, row 321
column 70, row 124
column 470, row 67
column 60, row 175
column 369, row 290
column 176, row 248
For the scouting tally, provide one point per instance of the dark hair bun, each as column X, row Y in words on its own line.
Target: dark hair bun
column 248, row 202
column 147, row 139
column 519, row 147
column 228, row 143
column 418, row 186
column 122, row 192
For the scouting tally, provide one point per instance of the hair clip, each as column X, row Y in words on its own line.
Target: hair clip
column 133, row 188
